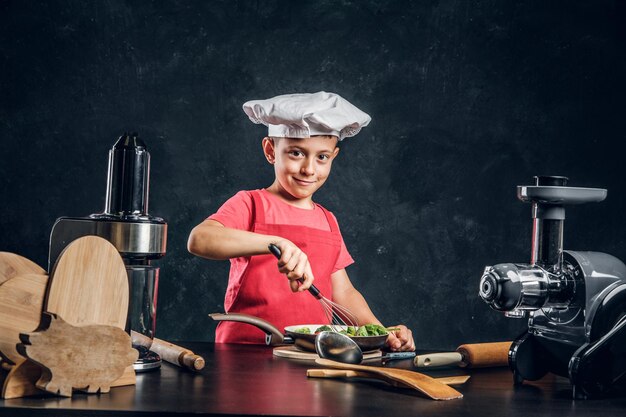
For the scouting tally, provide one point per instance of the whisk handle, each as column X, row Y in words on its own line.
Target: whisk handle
column 276, row 252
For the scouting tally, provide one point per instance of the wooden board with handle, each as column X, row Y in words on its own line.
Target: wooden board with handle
column 347, row 373
column 293, row 352
column 12, row 265
column 476, row 355
column 423, row 383
column 21, row 305
column 89, row 284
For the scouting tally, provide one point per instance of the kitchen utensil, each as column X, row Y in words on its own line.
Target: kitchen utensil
column 12, row 265
column 88, row 358
column 21, row 305
column 346, row 373
column 89, row 284
column 305, row 341
column 169, row 352
column 338, row 347
column 336, row 314
column 423, row 383
column 476, row 355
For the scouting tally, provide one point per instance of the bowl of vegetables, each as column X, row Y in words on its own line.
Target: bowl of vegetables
column 369, row 336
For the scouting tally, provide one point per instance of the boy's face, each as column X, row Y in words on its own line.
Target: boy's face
column 301, row 166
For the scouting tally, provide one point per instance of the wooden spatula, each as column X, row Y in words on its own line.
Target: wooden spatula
column 347, row 373
column 12, row 265
column 423, row 383
column 89, row 284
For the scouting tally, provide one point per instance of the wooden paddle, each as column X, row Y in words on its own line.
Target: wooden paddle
column 21, row 304
column 12, row 265
column 89, row 284
column 423, row 383
column 346, row 373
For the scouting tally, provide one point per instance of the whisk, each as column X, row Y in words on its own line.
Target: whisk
column 336, row 314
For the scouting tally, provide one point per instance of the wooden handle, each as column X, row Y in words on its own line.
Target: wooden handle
column 169, row 352
column 177, row 355
column 480, row 355
column 345, row 373
column 438, row 359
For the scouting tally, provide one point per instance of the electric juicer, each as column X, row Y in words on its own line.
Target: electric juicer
column 575, row 301
column 138, row 236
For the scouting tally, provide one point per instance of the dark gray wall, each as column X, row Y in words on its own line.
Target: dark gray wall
column 468, row 99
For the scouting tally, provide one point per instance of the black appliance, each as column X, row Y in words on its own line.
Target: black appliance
column 575, row 301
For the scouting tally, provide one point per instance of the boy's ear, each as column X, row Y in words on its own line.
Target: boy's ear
column 335, row 152
column 269, row 149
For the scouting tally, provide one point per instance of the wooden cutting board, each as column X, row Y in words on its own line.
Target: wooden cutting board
column 89, row 284
column 293, row 352
column 12, row 265
column 423, row 383
column 21, row 305
column 88, row 358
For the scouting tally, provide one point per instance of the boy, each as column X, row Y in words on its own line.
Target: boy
column 304, row 130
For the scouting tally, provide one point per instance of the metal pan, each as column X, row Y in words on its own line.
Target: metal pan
column 274, row 337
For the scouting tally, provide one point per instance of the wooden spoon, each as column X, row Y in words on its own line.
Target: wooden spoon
column 423, row 383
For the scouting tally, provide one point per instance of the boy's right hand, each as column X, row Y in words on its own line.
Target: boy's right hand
column 295, row 264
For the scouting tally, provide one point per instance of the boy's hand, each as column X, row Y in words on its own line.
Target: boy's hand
column 401, row 340
column 294, row 263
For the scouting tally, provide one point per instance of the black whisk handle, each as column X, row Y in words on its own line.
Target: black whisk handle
column 276, row 252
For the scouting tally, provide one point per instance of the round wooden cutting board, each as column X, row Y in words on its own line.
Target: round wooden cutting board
column 89, row 284
column 12, row 265
column 21, row 304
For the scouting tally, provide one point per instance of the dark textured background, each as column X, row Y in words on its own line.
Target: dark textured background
column 468, row 99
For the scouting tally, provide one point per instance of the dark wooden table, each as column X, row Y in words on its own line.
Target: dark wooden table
column 249, row 380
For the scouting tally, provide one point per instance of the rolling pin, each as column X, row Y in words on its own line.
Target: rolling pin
column 169, row 352
column 477, row 355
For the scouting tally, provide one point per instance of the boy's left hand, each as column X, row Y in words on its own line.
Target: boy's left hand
column 401, row 340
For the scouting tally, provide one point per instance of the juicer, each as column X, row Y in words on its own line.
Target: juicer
column 575, row 301
column 138, row 236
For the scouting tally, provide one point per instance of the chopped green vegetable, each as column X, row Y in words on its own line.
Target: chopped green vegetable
column 303, row 330
column 323, row 328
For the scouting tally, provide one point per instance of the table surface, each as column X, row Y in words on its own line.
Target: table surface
column 249, row 380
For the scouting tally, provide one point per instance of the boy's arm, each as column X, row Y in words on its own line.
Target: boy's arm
column 346, row 295
column 212, row 240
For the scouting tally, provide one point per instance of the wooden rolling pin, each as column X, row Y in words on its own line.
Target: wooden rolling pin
column 477, row 355
column 169, row 352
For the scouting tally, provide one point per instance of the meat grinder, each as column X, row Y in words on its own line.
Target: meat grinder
column 138, row 236
column 575, row 301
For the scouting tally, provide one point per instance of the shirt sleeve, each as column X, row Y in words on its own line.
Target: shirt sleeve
column 236, row 212
column 344, row 259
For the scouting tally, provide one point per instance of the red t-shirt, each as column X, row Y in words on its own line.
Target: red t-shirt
column 236, row 213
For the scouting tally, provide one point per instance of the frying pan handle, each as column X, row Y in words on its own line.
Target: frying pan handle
column 276, row 252
column 273, row 336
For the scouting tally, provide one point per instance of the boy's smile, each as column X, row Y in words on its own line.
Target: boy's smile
column 301, row 166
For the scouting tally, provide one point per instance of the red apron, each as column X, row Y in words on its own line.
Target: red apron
column 265, row 293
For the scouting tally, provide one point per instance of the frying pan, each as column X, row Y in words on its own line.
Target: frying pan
column 305, row 341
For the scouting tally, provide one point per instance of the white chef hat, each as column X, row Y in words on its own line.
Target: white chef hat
column 306, row 115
